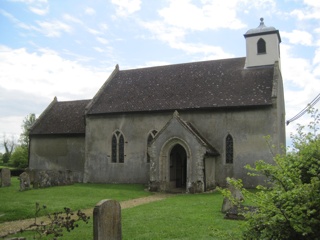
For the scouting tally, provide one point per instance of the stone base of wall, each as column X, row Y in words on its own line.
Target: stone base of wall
column 196, row 187
column 48, row 178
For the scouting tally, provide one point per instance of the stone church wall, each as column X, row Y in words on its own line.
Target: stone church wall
column 58, row 153
column 248, row 128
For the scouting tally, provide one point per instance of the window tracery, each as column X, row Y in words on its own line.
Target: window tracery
column 117, row 147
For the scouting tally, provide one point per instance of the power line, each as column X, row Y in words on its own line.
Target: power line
column 303, row 111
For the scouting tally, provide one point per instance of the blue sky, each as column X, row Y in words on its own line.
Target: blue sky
column 68, row 48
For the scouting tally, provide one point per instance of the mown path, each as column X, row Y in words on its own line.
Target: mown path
column 14, row 226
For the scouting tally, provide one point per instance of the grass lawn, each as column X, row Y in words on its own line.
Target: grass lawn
column 16, row 205
column 187, row 216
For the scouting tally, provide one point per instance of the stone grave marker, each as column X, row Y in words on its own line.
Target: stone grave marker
column 5, row 177
column 24, row 181
column 107, row 220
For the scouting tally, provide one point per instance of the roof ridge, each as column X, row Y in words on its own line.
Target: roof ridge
column 53, row 102
column 96, row 97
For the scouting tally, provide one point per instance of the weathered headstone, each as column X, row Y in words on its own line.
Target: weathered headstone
column 24, row 181
column 236, row 194
column 5, row 177
column 107, row 220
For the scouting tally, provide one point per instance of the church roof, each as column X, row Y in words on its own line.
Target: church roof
column 196, row 85
column 65, row 117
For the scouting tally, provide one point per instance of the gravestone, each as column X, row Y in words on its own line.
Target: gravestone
column 107, row 220
column 5, row 177
column 24, row 181
column 236, row 194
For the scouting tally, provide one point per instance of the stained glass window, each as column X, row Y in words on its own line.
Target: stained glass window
column 229, row 149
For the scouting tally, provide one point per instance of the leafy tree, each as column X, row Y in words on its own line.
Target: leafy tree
column 19, row 157
column 289, row 205
column 8, row 145
column 26, row 125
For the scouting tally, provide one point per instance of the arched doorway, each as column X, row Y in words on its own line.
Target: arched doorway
column 178, row 166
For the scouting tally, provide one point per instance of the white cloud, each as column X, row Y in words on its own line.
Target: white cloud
column 94, row 31
column 175, row 38
column 39, row 11
column 210, row 15
column 298, row 37
column 90, row 11
column 54, row 28
column 301, row 83
column 39, row 7
column 126, row 7
column 310, row 11
column 47, row 74
column 70, row 18
column 102, row 40
column 100, row 50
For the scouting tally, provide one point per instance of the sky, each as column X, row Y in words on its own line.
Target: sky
column 68, row 48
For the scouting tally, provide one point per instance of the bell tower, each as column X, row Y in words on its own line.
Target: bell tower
column 262, row 46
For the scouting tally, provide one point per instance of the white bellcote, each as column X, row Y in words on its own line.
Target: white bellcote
column 262, row 46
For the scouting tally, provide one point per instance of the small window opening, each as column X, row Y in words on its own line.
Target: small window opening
column 261, row 46
column 229, row 149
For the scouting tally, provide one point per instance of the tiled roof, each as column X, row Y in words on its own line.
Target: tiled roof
column 207, row 84
column 62, row 118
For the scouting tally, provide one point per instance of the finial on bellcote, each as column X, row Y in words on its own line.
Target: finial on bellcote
column 262, row 22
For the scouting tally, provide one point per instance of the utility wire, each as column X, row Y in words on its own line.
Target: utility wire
column 303, row 111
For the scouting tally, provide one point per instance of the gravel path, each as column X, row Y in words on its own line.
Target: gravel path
column 15, row 226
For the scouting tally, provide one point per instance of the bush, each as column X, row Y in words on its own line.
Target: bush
column 289, row 207
column 19, row 157
column 5, row 158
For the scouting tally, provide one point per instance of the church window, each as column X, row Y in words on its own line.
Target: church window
column 151, row 136
column 229, row 149
column 117, row 147
column 261, row 45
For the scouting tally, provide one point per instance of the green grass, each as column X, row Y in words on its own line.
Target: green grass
column 16, row 205
column 187, row 216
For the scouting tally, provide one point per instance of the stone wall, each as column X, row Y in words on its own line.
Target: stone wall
column 47, row 178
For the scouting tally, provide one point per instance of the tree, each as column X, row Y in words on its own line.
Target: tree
column 8, row 145
column 19, row 157
column 289, row 208
column 27, row 124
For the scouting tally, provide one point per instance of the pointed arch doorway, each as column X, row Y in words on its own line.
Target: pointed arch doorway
column 178, row 167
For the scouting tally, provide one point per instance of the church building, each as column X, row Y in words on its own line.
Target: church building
column 184, row 126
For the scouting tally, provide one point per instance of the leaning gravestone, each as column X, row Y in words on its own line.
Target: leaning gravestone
column 5, row 177
column 107, row 220
column 24, row 181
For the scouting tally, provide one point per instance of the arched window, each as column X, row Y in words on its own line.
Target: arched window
column 229, row 149
column 151, row 136
column 261, row 46
column 117, row 147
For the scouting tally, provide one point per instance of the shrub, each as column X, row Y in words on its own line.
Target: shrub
column 289, row 205
column 19, row 157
